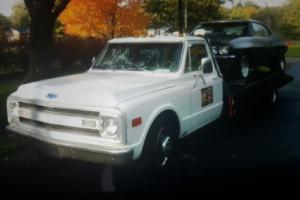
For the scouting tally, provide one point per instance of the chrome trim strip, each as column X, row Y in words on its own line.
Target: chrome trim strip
column 224, row 56
column 58, row 110
column 57, row 127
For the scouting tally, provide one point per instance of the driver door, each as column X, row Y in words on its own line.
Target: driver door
column 206, row 90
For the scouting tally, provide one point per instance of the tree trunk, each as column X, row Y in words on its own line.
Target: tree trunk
column 41, row 47
column 180, row 17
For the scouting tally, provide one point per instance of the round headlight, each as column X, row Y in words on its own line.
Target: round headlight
column 109, row 128
column 214, row 50
column 12, row 105
column 12, row 111
column 223, row 50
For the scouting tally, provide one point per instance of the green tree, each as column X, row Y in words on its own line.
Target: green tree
column 246, row 10
column 290, row 23
column 250, row 4
column 270, row 16
column 162, row 12
column 20, row 17
column 43, row 15
column 4, row 26
column 165, row 12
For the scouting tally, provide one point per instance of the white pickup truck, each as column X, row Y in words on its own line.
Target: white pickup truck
column 138, row 98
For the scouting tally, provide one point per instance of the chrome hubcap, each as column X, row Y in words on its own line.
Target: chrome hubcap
column 282, row 65
column 166, row 145
column 274, row 97
column 244, row 67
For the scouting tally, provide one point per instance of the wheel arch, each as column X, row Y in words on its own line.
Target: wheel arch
column 165, row 110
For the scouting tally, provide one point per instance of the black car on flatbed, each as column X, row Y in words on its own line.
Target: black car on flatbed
column 246, row 50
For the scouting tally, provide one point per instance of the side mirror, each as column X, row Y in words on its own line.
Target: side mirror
column 206, row 66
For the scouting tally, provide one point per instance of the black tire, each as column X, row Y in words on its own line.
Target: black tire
column 145, row 173
column 160, row 142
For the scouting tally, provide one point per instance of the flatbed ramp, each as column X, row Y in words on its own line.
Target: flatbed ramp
column 240, row 96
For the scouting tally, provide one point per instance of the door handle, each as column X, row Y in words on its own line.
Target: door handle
column 215, row 78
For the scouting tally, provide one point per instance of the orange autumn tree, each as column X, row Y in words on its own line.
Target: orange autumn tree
column 104, row 19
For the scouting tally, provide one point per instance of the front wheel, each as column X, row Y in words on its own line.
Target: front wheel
column 145, row 174
column 160, row 142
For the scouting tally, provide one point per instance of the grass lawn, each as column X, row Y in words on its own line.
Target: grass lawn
column 293, row 51
column 7, row 85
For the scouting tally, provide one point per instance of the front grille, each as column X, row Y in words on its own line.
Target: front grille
column 37, row 117
column 58, row 127
column 59, row 110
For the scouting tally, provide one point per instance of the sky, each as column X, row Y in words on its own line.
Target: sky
column 6, row 5
column 262, row 3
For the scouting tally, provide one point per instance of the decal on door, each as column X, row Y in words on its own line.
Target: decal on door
column 207, row 96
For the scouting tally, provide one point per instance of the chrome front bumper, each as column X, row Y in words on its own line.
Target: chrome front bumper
column 70, row 150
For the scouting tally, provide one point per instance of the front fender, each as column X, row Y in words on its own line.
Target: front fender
column 136, row 136
column 159, row 110
column 245, row 43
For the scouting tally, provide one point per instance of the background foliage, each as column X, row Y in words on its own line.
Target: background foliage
column 283, row 20
column 83, row 27
column 104, row 19
column 165, row 12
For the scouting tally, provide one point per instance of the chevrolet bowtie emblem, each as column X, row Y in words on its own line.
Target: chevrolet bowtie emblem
column 51, row 96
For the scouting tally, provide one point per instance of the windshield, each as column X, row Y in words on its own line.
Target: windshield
column 141, row 57
column 227, row 29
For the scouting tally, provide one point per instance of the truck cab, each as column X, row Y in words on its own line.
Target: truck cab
column 137, row 99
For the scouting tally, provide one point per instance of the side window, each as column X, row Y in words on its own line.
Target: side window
column 196, row 53
column 260, row 30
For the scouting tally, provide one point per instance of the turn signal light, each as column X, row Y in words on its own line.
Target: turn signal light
column 136, row 122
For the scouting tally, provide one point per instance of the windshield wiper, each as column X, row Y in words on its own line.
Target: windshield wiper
column 101, row 67
column 134, row 67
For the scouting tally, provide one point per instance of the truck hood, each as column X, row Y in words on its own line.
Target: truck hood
column 100, row 89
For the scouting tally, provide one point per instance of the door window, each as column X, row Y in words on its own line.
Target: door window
column 195, row 54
